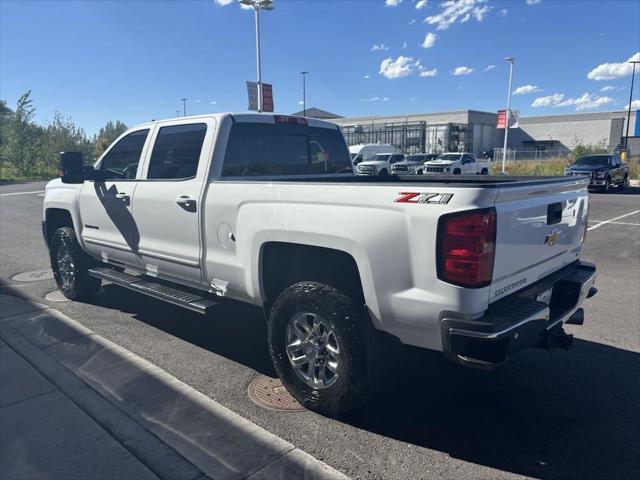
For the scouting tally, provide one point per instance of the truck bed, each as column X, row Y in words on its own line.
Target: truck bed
column 469, row 181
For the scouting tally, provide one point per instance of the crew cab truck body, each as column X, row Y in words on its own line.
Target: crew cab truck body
column 250, row 207
column 604, row 171
column 456, row 164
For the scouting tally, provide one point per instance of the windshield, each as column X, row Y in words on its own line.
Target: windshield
column 381, row 157
column 451, row 157
column 593, row 161
column 415, row 158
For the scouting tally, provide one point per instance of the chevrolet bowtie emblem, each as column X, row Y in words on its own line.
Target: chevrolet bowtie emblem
column 553, row 238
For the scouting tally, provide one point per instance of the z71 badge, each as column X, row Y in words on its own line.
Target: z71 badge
column 431, row 198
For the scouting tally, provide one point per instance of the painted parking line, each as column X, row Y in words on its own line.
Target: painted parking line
column 622, row 223
column 593, row 227
column 21, row 193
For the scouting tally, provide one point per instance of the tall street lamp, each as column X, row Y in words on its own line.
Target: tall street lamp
column 506, row 128
column 258, row 5
column 184, row 106
column 304, row 93
column 633, row 74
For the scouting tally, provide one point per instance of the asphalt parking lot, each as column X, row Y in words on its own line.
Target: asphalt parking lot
column 549, row 415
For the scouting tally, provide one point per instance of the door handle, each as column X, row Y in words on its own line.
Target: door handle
column 124, row 197
column 187, row 203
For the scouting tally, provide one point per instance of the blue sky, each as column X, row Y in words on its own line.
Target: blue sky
column 133, row 61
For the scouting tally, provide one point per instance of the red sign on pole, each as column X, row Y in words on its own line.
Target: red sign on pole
column 502, row 119
column 267, row 97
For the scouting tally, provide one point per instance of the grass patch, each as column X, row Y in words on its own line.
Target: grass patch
column 550, row 167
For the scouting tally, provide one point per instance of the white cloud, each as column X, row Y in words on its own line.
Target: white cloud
column 524, row 89
column 458, row 10
column 429, row 73
column 586, row 101
column 607, row 88
column 462, row 70
column 367, row 77
column 429, row 40
column 392, row 3
column 609, row 71
column 398, row 68
column 421, row 4
column 300, row 102
column 213, row 102
column 375, row 99
column 224, row 3
column 489, row 68
column 533, row 2
column 412, row 21
column 504, row 12
column 583, row 102
column 376, row 47
column 548, row 101
column 197, row 101
column 404, row 44
column 635, row 105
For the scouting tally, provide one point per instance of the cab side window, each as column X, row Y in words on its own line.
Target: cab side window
column 121, row 161
column 176, row 152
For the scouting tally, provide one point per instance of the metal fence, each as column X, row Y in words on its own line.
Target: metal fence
column 530, row 155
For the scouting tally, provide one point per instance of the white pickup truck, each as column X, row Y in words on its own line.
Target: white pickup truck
column 456, row 164
column 264, row 209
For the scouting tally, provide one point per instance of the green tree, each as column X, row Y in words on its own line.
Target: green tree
column 61, row 135
column 21, row 138
column 106, row 136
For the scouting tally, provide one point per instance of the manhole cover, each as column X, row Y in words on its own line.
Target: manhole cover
column 56, row 296
column 269, row 393
column 34, row 276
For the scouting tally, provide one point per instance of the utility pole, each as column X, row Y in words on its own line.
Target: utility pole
column 184, row 106
column 626, row 137
column 506, row 128
column 304, row 93
column 177, row 113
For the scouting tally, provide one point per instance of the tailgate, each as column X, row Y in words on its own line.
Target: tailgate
column 540, row 229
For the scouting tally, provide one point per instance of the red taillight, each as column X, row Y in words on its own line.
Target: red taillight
column 467, row 243
column 290, row 120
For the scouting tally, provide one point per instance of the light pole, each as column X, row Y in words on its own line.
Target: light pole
column 257, row 6
column 506, row 128
column 184, row 106
column 177, row 113
column 304, row 93
column 633, row 74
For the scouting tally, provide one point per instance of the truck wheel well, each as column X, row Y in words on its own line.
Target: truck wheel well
column 57, row 218
column 284, row 264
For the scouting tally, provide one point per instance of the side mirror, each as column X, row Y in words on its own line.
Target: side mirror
column 71, row 167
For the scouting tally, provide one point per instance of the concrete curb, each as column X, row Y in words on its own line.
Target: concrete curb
column 220, row 443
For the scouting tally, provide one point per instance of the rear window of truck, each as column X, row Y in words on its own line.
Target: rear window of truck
column 275, row 149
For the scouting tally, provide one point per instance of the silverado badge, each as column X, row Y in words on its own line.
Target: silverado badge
column 553, row 238
column 417, row 197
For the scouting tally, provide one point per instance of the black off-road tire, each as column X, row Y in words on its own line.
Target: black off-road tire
column 358, row 374
column 383, row 172
column 457, row 171
column 607, row 185
column 82, row 286
column 625, row 183
column 484, row 172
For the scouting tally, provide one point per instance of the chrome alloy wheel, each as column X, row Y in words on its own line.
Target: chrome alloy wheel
column 66, row 267
column 313, row 349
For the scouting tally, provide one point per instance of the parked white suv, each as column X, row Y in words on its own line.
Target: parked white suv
column 456, row 164
column 254, row 208
column 380, row 164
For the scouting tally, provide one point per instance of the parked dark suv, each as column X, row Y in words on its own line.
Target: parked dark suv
column 603, row 170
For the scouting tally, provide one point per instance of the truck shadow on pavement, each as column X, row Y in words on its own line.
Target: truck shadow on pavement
column 549, row 415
